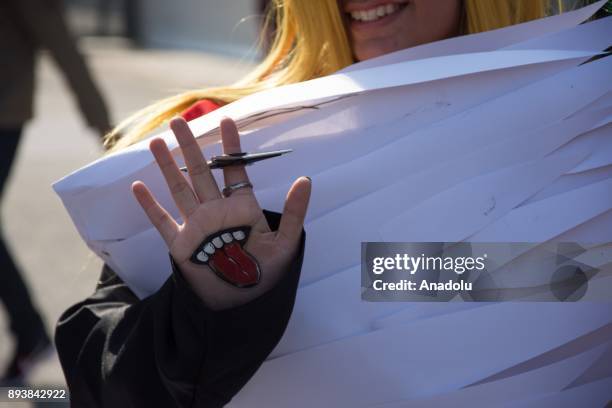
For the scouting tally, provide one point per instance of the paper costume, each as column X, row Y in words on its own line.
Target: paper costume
column 502, row 136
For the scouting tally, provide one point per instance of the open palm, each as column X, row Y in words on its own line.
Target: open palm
column 206, row 212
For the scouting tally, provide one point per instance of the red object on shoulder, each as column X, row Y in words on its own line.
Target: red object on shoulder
column 198, row 109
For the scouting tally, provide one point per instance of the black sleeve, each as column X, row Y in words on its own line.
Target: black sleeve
column 169, row 350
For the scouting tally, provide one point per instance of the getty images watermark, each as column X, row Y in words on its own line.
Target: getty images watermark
column 445, row 271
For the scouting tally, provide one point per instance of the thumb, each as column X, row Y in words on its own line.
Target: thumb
column 296, row 205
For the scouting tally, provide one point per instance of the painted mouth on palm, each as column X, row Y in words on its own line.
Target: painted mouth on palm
column 224, row 253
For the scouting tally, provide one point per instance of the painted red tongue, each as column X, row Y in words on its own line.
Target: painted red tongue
column 235, row 265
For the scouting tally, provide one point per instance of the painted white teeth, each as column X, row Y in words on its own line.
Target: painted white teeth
column 374, row 13
column 217, row 242
column 202, row 257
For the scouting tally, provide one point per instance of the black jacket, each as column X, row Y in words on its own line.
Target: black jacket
column 169, row 349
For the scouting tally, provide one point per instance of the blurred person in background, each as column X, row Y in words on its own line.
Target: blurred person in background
column 197, row 340
column 26, row 26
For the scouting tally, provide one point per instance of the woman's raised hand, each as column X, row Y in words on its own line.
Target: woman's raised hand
column 224, row 248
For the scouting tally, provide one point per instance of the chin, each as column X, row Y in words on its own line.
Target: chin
column 365, row 53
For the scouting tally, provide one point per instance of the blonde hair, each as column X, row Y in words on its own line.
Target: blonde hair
column 309, row 41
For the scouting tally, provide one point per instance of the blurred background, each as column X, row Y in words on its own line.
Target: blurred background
column 137, row 52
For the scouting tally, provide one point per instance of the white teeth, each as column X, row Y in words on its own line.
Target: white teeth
column 209, row 248
column 227, row 237
column 239, row 235
column 374, row 13
column 202, row 257
column 217, row 242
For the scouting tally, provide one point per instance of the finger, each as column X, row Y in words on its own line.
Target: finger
column 231, row 144
column 203, row 182
column 296, row 204
column 181, row 191
column 161, row 220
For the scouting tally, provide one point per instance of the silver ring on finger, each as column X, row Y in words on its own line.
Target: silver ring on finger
column 228, row 190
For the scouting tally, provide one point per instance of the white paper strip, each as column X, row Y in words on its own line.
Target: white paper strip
column 536, row 223
column 405, row 361
column 536, row 385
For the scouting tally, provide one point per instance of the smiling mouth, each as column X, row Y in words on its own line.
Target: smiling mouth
column 376, row 13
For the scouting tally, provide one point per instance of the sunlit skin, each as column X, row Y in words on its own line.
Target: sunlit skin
column 204, row 211
column 411, row 23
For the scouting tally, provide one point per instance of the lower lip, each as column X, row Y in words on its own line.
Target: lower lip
column 376, row 24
